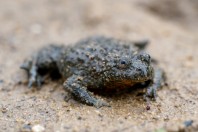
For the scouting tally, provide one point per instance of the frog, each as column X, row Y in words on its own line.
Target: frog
column 96, row 62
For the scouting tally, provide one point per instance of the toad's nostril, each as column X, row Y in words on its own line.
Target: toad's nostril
column 147, row 57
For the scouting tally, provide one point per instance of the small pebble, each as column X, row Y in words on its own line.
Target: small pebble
column 4, row 110
column 38, row 128
column 26, row 128
column 188, row 123
column 148, row 107
column 1, row 81
column 79, row 118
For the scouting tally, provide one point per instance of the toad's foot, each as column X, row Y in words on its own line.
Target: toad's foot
column 74, row 84
column 33, row 76
column 158, row 82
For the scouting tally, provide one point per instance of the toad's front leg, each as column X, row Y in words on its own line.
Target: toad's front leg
column 157, row 82
column 75, row 85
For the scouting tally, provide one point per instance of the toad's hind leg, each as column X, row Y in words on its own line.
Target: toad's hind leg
column 141, row 45
column 75, row 85
column 32, row 70
column 157, row 82
column 41, row 63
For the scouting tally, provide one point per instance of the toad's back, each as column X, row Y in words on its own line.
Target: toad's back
column 93, row 55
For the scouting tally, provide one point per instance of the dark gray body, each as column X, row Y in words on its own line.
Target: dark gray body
column 96, row 63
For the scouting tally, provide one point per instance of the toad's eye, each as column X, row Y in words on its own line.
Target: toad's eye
column 123, row 64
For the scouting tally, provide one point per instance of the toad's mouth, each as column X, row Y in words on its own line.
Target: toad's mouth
column 124, row 83
column 139, row 80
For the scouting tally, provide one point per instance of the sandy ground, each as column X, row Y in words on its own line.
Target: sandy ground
column 172, row 28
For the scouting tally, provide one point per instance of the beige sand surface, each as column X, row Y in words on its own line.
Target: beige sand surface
column 171, row 26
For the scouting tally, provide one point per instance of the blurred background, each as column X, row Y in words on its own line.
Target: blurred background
column 61, row 20
column 170, row 25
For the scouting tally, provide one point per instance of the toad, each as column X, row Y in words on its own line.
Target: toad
column 96, row 62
